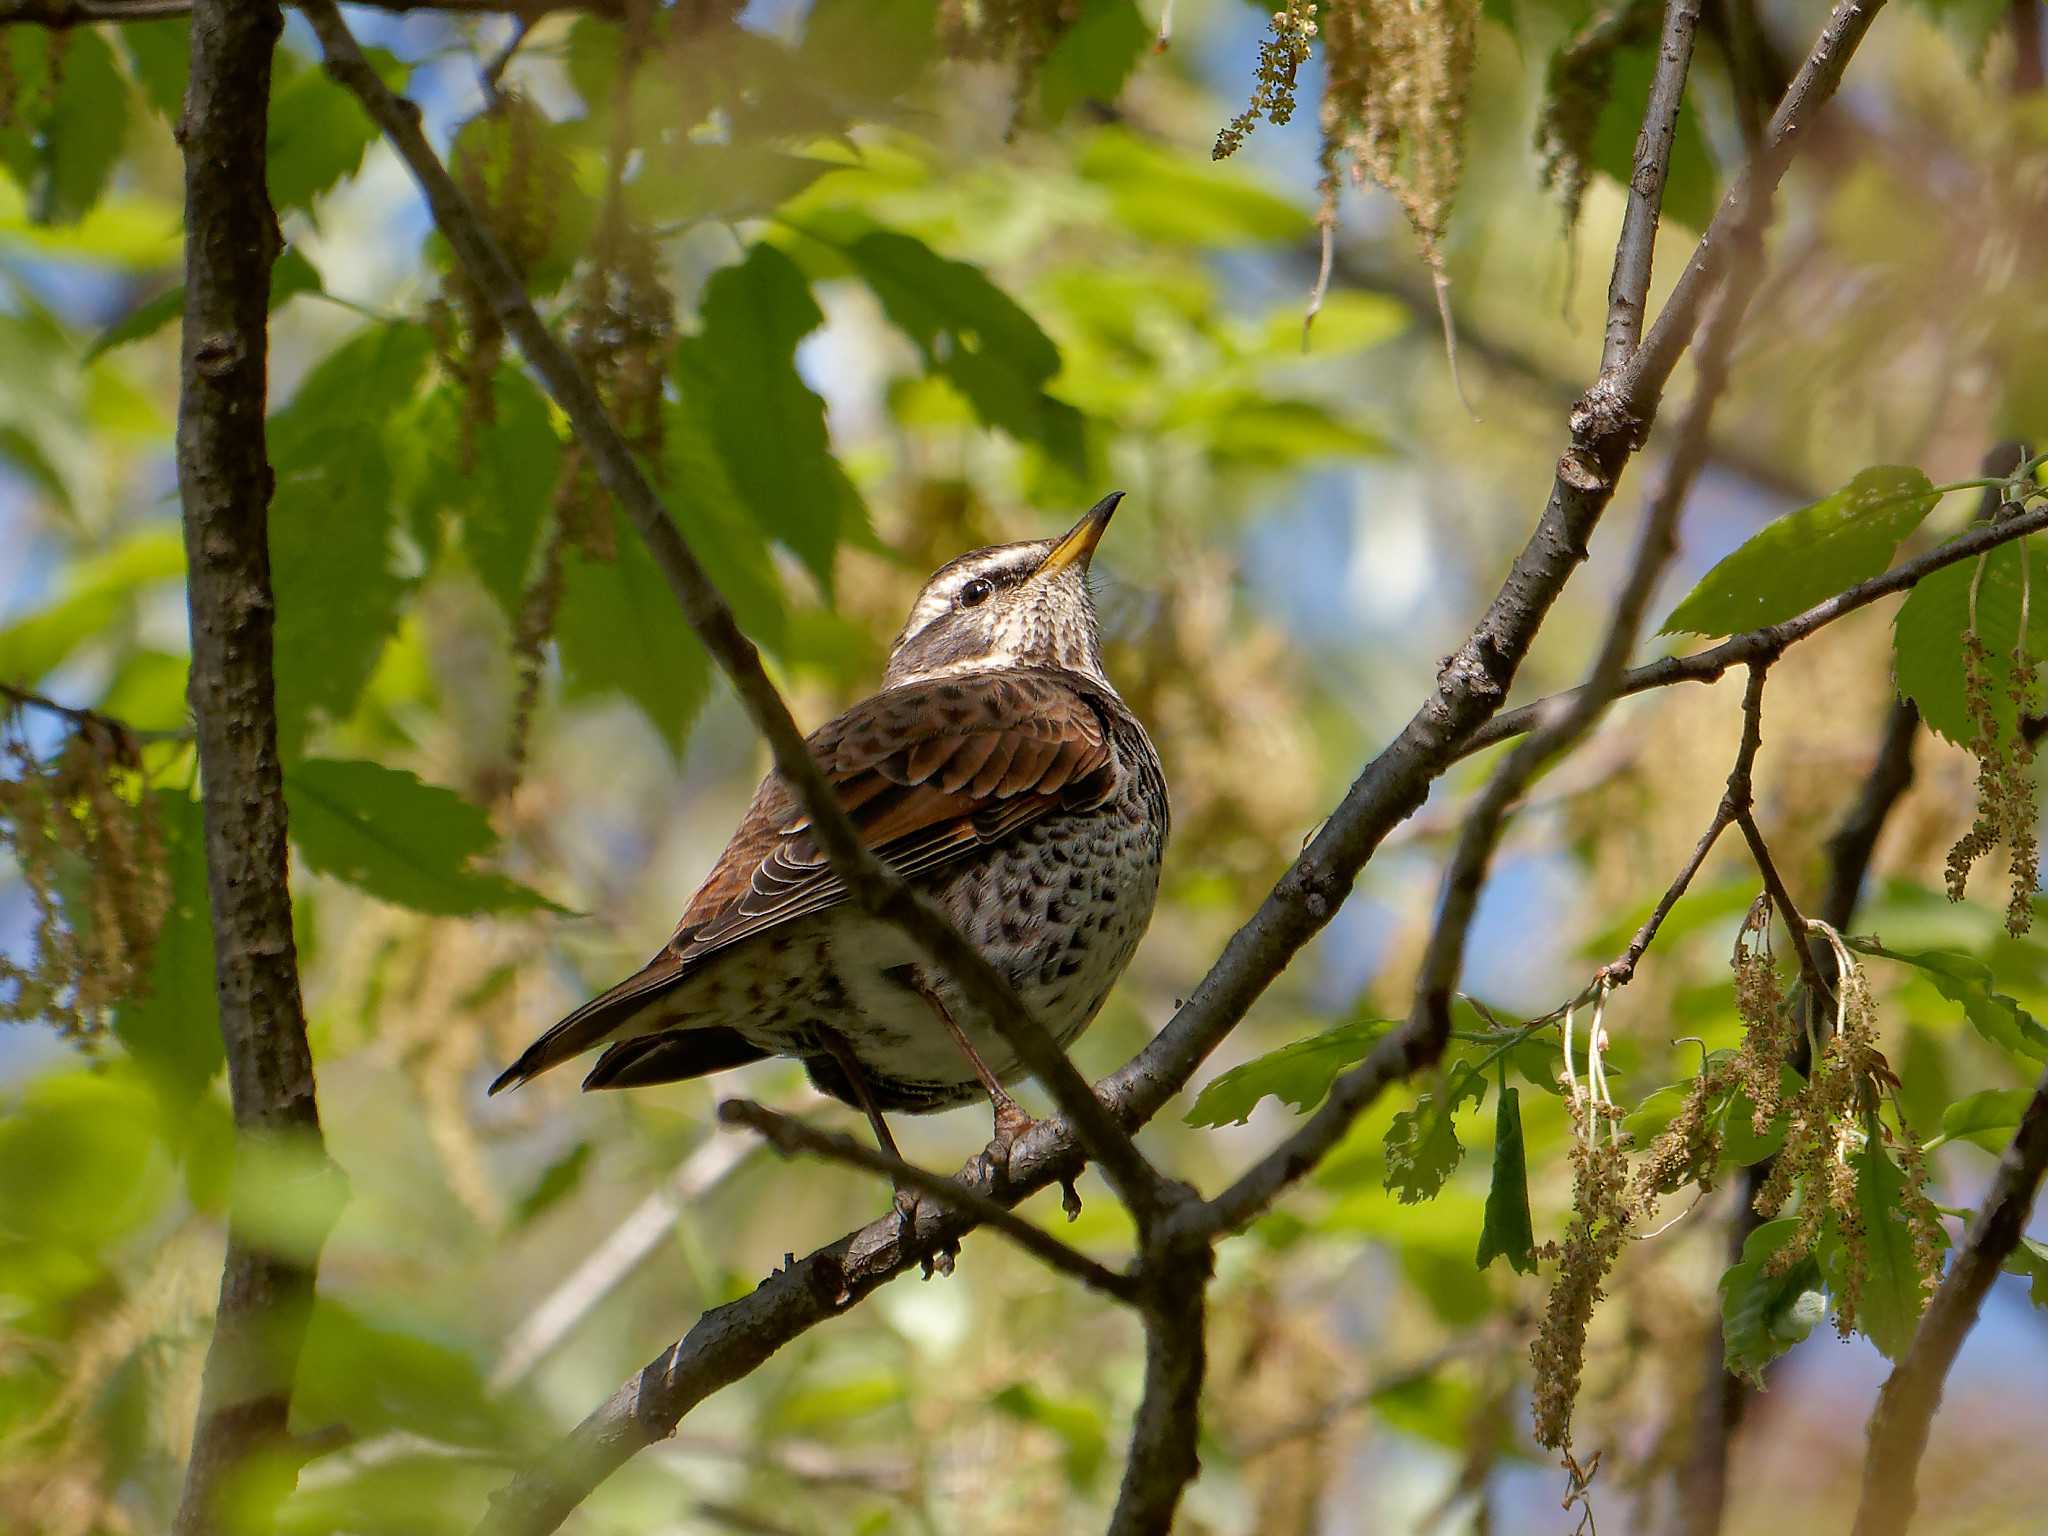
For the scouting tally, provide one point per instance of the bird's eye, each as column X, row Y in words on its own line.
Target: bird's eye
column 976, row 592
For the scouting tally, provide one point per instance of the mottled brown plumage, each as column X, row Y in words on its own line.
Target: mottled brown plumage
column 999, row 771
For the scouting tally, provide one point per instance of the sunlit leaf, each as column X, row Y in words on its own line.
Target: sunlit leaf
column 1093, row 57
column 1987, row 1117
column 1161, row 196
column 2030, row 1259
column 403, row 840
column 67, row 115
column 95, row 591
column 1762, row 1314
column 1970, row 983
column 1508, row 1232
column 1927, row 636
column 1808, row 555
column 80, row 1159
column 318, row 130
column 1298, row 1074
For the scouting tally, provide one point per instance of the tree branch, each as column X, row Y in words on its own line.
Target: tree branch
column 85, row 719
column 80, row 13
column 871, row 885
column 1906, row 1405
column 788, row 1135
column 1712, row 664
column 1174, row 1289
column 225, row 479
column 1628, row 290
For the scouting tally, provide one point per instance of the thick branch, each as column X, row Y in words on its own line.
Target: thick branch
column 1712, row 664
column 225, row 479
column 1163, row 1459
column 1628, row 291
column 789, row 1135
column 1906, row 1405
column 870, row 884
column 80, row 13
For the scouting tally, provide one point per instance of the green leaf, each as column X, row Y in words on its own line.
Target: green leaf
column 1690, row 187
column 1298, row 1074
column 402, row 840
column 739, row 374
column 1076, row 1423
column 81, row 1159
column 383, row 1375
column 619, row 630
column 1891, row 1298
column 975, row 335
column 1508, row 1232
column 332, row 520
column 1422, row 1145
column 292, row 274
column 1093, row 57
column 1969, row 982
column 1927, row 636
column 504, row 502
column 1805, row 556
column 173, row 1028
column 97, row 590
column 160, row 58
column 557, row 1181
column 1987, row 1118
column 1763, row 1315
column 1167, row 198
column 67, row 118
column 730, row 544
column 318, row 131
column 2030, row 1259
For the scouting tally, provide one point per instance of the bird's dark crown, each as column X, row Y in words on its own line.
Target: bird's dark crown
column 1024, row 604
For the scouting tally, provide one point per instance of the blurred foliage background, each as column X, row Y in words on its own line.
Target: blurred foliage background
column 870, row 284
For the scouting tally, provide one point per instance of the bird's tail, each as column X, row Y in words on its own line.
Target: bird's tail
column 596, row 1021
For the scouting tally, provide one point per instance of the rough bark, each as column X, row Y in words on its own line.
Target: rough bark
column 225, row 479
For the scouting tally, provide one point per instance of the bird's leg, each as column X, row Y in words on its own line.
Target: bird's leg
column 1010, row 1119
column 906, row 1199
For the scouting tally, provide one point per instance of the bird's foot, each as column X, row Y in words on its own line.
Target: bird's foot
column 1011, row 1125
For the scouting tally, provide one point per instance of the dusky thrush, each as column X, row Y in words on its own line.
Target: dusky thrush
column 999, row 771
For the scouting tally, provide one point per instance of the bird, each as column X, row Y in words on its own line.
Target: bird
column 999, row 772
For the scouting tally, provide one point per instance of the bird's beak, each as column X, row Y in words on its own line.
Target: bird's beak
column 1078, row 547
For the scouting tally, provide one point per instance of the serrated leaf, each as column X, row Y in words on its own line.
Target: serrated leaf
column 290, row 275
column 731, row 545
column 1890, row 1298
column 1969, row 983
column 331, row 523
column 1805, row 556
column 504, row 502
column 67, row 117
column 619, row 631
column 1298, row 1074
column 1093, row 57
column 1508, row 1232
column 1422, row 1146
column 1764, row 1315
column 975, row 335
column 173, row 1028
column 739, row 375
column 399, row 838
column 318, row 130
column 1992, row 1113
column 1927, row 635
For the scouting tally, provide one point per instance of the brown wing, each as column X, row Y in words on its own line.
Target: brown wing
column 928, row 772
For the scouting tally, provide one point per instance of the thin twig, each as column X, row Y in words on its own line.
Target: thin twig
column 81, row 13
column 1781, row 898
column 789, row 1135
column 1906, row 1405
column 1628, row 290
column 870, row 884
column 90, row 719
column 1712, row 664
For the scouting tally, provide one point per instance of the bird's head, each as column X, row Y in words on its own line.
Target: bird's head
column 1008, row 605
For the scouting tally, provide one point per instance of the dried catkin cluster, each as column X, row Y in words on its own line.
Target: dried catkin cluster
column 1601, row 1212
column 1575, row 92
column 86, row 838
column 2006, row 809
column 515, row 179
